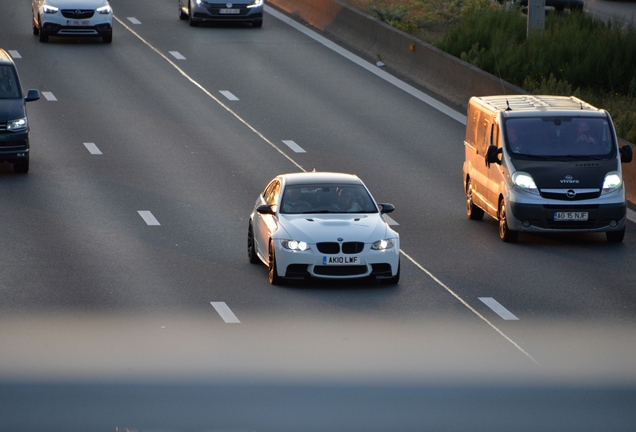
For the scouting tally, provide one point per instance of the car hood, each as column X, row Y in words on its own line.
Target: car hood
column 75, row 4
column 365, row 228
column 568, row 174
column 11, row 109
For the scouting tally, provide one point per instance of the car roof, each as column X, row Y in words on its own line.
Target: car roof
column 5, row 58
column 319, row 177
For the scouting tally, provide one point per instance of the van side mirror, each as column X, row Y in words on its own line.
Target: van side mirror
column 492, row 155
column 32, row 95
column 626, row 153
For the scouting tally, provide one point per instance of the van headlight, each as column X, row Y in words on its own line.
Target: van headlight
column 382, row 244
column 525, row 182
column 17, row 125
column 612, row 182
column 295, row 245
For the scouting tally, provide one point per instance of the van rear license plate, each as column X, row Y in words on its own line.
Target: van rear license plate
column 229, row 11
column 570, row 216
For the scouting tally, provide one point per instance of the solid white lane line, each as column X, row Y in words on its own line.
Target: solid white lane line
column 389, row 220
column 283, row 154
column 295, row 147
column 210, row 95
column 49, row 96
column 177, row 55
column 225, row 312
column 469, row 307
column 369, row 67
column 134, row 20
column 228, row 95
column 92, row 148
column 631, row 215
column 148, row 218
column 498, row 308
column 14, row 54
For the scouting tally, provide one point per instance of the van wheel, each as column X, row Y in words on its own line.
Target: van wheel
column 505, row 233
column 615, row 236
column 21, row 167
column 473, row 212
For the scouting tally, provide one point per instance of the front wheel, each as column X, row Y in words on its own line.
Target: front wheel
column 251, row 247
column 505, row 233
column 21, row 167
column 107, row 39
column 182, row 15
column 615, row 236
column 274, row 279
column 191, row 20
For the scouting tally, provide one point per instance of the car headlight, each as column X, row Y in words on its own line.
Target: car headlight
column 612, row 182
column 198, row 2
column 104, row 10
column 17, row 125
column 50, row 9
column 295, row 245
column 383, row 244
column 256, row 3
column 525, row 182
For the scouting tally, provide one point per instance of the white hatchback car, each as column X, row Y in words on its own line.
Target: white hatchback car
column 79, row 18
column 322, row 225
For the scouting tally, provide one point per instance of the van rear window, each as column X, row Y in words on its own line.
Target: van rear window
column 559, row 136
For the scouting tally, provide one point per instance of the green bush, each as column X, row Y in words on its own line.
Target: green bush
column 575, row 55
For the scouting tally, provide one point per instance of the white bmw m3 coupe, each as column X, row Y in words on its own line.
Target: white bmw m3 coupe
column 322, row 225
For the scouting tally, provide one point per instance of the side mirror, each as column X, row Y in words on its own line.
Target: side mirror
column 626, row 153
column 32, row 95
column 386, row 208
column 492, row 155
column 265, row 209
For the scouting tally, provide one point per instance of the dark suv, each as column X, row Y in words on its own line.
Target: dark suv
column 14, row 127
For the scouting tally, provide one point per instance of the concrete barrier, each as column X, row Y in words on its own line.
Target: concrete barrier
column 441, row 73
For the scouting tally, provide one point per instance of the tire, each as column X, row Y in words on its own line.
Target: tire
column 251, row 250
column 505, row 233
column 42, row 37
column 615, row 236
column 107, row 39
column 257, row 24
column 36, row 30
column 473, row 212
column 21, row 167
column 274, row 279
column 182, row 15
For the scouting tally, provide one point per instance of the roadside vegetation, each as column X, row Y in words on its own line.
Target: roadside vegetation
column 576, row 55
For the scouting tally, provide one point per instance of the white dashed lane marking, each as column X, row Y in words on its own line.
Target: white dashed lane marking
column 148, row 218
column 389, row 220
column 295, row 147
column 176, row 55
column 14, row 54
column 225, row 312
column 92, row 148
column 228, row 95
column 134, row 20
column 49, row 96
column 498, row 308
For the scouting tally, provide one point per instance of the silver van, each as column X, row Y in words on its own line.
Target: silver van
column 544, row 164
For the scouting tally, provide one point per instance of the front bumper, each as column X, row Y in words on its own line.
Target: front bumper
column 220, row 13
column 540, row 217
column 58, row 25
column 14, row 146
column 313, row 264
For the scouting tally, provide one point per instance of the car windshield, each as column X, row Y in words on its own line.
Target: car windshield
column 560, row 137
column 8, row 83
column 327, row 198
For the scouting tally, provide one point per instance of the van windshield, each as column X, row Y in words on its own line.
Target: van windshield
column 8, row 83
column 560, row 137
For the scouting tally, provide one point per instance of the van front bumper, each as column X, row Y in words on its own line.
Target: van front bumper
column 541, row 217
column 14, row 146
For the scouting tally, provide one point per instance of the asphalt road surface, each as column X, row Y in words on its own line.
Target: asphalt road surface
column 123, row 257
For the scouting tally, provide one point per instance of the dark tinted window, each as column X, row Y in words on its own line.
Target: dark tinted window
column 9, row 88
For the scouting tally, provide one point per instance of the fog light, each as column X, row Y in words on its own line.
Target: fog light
column 526, row 224
column 613, row 224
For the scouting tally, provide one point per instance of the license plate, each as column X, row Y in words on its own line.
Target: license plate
column 229, row 11
column 78, row 23
column 570, row 216
column 337, row 260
